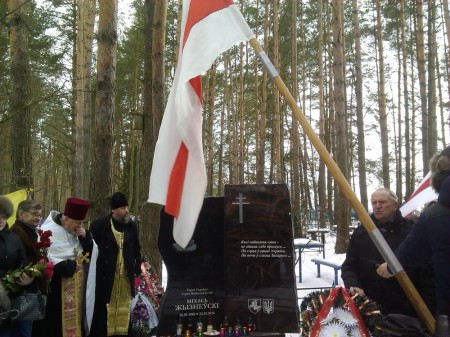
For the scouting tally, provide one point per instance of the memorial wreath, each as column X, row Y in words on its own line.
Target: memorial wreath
column 335, row 313
column 146, row 302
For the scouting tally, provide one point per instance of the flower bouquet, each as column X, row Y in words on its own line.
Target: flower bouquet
column 30, row 306
column 43, row 268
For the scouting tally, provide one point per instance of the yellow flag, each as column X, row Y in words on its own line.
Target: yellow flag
column 16, row 197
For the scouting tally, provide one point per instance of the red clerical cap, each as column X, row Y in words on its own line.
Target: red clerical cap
column 76, row 208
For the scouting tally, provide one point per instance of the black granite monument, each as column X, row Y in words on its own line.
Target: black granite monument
column 238, row 265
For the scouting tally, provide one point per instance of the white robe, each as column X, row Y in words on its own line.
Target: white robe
column 66, row 246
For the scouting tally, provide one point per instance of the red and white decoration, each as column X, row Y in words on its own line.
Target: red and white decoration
column 423, row 194
column 178, row 178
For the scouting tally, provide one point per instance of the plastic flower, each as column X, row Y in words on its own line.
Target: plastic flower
column 140, row 315
column 333, row 330
column 148, row 284
column 328, row 319
column 345, row 316
column 355, row 333
column 137, row 282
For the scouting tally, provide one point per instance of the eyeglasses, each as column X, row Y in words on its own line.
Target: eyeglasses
column 35, row 214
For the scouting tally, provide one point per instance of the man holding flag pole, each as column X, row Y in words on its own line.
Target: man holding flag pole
column 430, row 236
column 178, row 178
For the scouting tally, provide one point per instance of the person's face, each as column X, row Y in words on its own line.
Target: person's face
column 31, row 217
column 121, row 214
column 71, row 225
column 383, row 206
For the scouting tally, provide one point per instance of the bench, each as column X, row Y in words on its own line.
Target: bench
column 335, row 265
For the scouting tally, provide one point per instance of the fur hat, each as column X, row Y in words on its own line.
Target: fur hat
column 118, row 200
column 440, row 168
column 76, row 208
column 6, row 206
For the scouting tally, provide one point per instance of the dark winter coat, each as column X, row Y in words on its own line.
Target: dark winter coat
column 28, row 236
column 359, row 267
column 430, row 239
column 106, row 265
column 12, row 252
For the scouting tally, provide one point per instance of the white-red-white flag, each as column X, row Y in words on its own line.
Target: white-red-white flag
column 423, row 194
column 178, row 178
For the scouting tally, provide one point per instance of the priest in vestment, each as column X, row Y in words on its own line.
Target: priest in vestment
column 73, row 253
column 119, row 261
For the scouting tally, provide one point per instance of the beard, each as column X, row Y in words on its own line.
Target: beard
column 124, row 219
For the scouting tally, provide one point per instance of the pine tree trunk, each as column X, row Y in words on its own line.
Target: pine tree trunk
column 85, row 10
column 382, row 102
column 277, row 119
column 102, row 161
column 408, row 182
column 322, row 177
column 446, row 11
column 241, row 156
column 261, row 139
column 295, row 136
column 148, row 212
column 21, row 155
column 359, row 108
column 341, row 209
column 432, row 99
column 209, row 127
column 420, row 49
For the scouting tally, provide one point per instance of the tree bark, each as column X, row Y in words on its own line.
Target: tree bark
column 277, row 119
column 85, row 10
column 432, row 99
column 321, row 184
column 209, row 127
column 341, row 209
column 408, row 182
column 420, row 49
column 295, row 136
column 382, row 102
column 103, row 141
column 20, row 97
column 261, row 139
column 359, row 108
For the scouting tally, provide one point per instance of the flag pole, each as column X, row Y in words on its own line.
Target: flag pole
column 345, row 188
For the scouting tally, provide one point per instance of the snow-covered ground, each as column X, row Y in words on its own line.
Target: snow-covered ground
column 309, row 269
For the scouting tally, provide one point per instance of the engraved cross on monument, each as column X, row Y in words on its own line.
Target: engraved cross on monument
column 241, row 208
column 259, row 275
column 239, row 269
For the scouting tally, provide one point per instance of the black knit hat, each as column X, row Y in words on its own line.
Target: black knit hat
column 118, row 200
